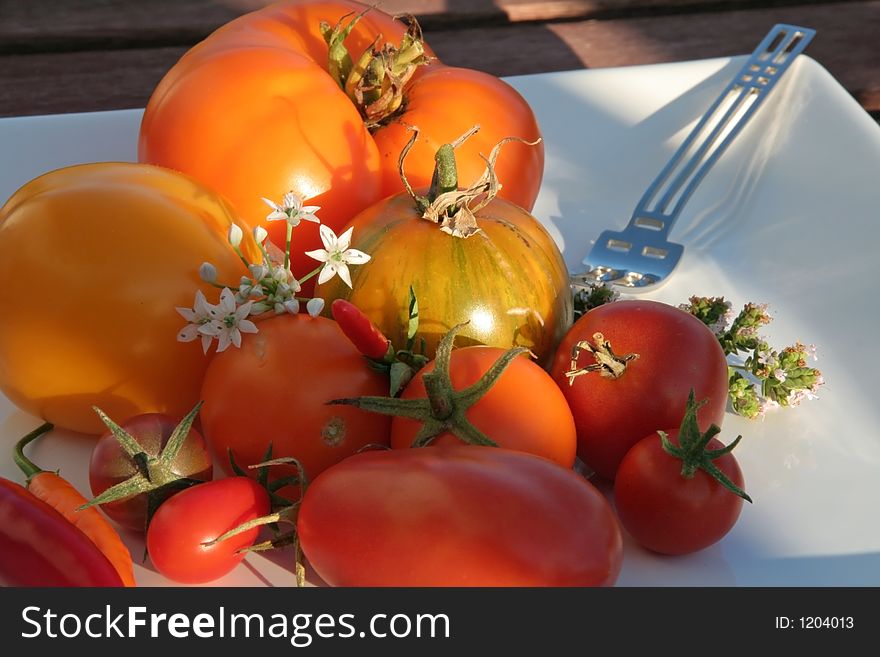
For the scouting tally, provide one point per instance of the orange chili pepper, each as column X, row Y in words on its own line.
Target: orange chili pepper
column 58, row 493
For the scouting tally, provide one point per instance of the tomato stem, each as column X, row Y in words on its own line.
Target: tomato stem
column 606, row 362
column 377, row 82
column 691, row 448
column 453, row 209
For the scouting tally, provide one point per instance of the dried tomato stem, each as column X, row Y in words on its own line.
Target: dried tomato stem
column 606, row 362
column 376, row 82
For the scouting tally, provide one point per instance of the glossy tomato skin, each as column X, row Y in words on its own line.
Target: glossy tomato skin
column 256, row 96
column 481, row 99
column 524, row 410
column 677, row 352
column 275, row 388
column 667, row 513
column 457, row 516
column 509, row 280
column 110, row 464
column 108, row 251
column 197, row 515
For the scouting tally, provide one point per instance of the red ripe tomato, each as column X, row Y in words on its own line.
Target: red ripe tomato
column 457, row 516
column 668, row 513
column 524, row 410
column 111, row 465
column 185, row 523
column 676, row 353
column 275, row 389
column 253, row 111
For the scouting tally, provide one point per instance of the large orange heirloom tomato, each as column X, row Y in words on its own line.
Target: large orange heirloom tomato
column 263, row 106
column 93, row 261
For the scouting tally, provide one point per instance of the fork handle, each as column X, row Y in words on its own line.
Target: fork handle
column 665, row 198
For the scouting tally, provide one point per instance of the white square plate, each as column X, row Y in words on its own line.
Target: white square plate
column 788, row 216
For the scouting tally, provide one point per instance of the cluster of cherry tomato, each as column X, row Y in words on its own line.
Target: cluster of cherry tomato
column 505, row 509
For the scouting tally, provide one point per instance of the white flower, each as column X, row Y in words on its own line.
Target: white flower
column 336, row 255
column 779, row 374
column 291, row 210
column 315, row 306
column 229, row 321
column 234, row 236
column 199, row 317
column 291, row 306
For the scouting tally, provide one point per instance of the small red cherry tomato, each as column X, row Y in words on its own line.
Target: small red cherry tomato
column 181, row 533
column 679, row 492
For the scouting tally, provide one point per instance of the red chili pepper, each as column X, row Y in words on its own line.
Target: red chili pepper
column 358, row 328
column 39, row 547
column 64, row 498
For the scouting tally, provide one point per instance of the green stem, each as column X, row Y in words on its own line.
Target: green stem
column 311, row 274
column 445, row 177
column 28, row 467
column 241, row 257
column 287, row 246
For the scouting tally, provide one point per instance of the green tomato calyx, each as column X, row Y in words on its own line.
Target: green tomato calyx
column 155, row 475
column 691, row 448
column 444, row 410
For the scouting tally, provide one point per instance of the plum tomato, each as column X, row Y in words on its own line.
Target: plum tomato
column 457, row 516
column 181, row 537
column 626, row 369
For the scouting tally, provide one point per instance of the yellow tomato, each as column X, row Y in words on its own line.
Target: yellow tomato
column 93, row 261
column 508, row 281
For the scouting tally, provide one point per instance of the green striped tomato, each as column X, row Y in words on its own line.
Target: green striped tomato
column 509, row 280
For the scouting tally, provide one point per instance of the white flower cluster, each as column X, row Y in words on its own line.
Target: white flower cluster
column 270, row 287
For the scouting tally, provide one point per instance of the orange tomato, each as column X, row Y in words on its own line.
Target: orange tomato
column 275, row 389
column 524, row 410
column 94, row 259
column 253, row 112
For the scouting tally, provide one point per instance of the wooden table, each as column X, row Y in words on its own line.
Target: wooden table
column 83, row 55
